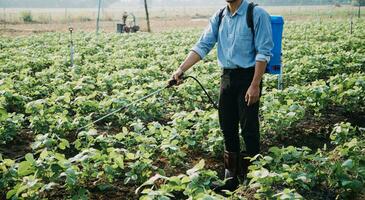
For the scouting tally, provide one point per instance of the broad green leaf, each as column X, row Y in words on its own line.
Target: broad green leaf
column 44, row 154
column 25, row 168
column 262, row 173
column 77, row 144
column 9, row 162
column 197, row 167
column 349, row 164
column 185, row 179
column 63, row 144
column 3, row 114
column 29, row 157
column 130, row 156
column 10, row 193
column 119, row 161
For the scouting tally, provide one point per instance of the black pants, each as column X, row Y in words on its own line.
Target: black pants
column 233, row 111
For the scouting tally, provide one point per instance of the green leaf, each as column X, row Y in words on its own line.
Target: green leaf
column 185, row 179
column 29, row 157
column 25, row 168
column 10, row 193
column 356, row 185
column 119, row 161
column 63, row 144
column 275, row 150
column 124, row 130
column 197, row 167
column 3, row 114
column 176, row 180
column 44, row 154
column 200, row 165
column 71, row 178
column 134, row 177
column 130, row 156
column 77, row 144
column 21, row 189
column 81, row 195
column 348, row 164
column 119, row 136
column 9, row 162
column 262, row 173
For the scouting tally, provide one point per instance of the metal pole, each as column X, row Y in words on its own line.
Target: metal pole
column 72, row 50
column 98, row 19
column 147, row 16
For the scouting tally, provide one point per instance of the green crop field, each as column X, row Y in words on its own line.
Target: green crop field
column 170, row 145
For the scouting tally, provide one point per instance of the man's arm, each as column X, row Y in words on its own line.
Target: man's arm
column 263, row 45
column 190, row 60
column 201, row 48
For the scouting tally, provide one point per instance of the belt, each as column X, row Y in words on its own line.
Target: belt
column 240, row 69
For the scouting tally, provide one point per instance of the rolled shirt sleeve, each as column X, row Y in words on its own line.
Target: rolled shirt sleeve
column 263, row 35
column 209, row 37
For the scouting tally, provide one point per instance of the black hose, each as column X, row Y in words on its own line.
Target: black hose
column 206, row 93
column 174, row 82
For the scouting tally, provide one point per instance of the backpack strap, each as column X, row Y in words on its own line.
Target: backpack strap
column 250, row 22
column 249, row 18
column 221, row 11
column 220, row 17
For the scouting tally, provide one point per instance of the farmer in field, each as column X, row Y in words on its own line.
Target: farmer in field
column 243, row 57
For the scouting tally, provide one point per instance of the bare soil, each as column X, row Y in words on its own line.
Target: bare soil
column 157, row 25
column 162, row 19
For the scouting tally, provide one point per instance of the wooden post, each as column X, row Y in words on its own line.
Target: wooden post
column 147, row 16
column 359, row 14
column 98, row 19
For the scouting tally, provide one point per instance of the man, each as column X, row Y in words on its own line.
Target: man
column 243, row 56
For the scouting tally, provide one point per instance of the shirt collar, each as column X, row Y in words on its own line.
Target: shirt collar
column 241, row 9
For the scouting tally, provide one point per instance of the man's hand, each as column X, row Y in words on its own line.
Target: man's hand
column 252, row 95
column 177, row 75
column 253, row 92
column 190, row 60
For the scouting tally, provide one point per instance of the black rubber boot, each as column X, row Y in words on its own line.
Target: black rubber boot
column 244, row 163
column 231, row 163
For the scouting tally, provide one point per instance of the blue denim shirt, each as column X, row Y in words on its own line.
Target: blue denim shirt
column 236, row 47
